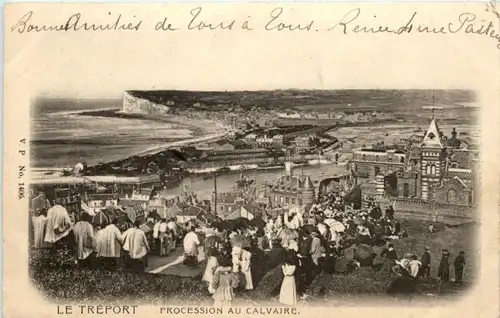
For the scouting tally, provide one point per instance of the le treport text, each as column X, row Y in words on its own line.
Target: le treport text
column 131, row 310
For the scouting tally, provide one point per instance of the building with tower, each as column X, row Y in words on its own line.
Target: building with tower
column 291, row 190
column 432, row 173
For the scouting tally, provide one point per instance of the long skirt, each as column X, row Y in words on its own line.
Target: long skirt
column 208, row 276
column 288, row 293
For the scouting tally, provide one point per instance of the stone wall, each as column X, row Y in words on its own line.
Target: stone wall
column 135, row 105
column 460, row 196
column 434, row 212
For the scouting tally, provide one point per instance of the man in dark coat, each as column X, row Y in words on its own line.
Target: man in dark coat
column 389, row 213
column 390, row 253
column 376, row 212
column 397, row 228
column 390, row 257
column 459, row 265
column 444, row 267
column 425, row 269
column 275, row 257
column 305, row 263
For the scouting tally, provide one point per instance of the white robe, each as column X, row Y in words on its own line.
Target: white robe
column 191, row 243
column 172, row 227
column 136, row 243
column 85, row 239
column 109, row 242
column 39, row 228
column 156, row 230
column 57, row 220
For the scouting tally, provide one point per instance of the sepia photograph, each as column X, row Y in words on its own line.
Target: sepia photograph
column 285, row 197
column 257, row 159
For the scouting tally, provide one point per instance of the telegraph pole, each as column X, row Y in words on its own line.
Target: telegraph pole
column 215, row 193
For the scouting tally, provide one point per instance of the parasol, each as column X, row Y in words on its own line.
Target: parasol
column 335, row 225
column 242, row 222
column 258, row 222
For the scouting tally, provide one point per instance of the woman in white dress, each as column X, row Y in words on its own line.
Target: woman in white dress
column 288, row 293
column 208, row 276
column 245, row 269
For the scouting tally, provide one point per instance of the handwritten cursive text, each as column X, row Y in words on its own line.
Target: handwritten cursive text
column 73, row 23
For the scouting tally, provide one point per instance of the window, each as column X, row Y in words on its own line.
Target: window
column 406, row 190
column 402, row 159
column 293, row 200
column 433, row 169
column 287, row 199
column 229, row 209
column 363, row 157
column 377, row 170
column 451, row 196
column 428, row 169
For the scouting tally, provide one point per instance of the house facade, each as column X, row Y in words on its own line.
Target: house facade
column 291, row 190
column 433, row 170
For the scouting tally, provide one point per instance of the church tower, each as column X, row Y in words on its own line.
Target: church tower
column 432, row 160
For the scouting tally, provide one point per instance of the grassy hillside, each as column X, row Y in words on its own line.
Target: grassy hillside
column 100, row 286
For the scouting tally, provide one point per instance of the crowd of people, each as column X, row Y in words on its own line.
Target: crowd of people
column 301, row 249
column 294, row 252
column 94, row 247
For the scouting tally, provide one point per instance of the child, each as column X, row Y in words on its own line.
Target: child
column 224, row 282
column 208, row 276
column 288, row 293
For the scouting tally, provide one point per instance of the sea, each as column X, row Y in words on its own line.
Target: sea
column 65, row 133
